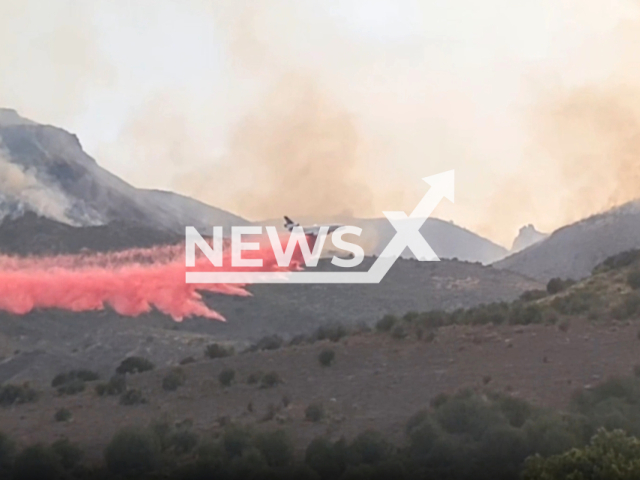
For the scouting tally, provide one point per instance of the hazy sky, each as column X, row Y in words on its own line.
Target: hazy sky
column 330, row 107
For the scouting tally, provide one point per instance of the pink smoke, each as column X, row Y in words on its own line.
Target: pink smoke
column 131, row 282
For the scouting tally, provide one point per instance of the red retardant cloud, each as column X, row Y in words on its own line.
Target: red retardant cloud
column 131, row 282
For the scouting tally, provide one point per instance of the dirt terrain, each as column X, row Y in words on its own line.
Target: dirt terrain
column 376, row 382
column 40, row 344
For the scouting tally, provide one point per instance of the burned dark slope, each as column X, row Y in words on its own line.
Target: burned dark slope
column 32, row 234
column 410, row 285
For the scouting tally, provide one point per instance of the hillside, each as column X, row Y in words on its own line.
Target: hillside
column 447, row 239
column 50, row 340
column 45, row 170
column 573, row 251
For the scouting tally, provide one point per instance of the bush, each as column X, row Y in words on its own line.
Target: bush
column 132, row 397
column 132, row 452
column 134, row 365
column 74, row 375
column 17, row 394
column 555, row 285
column 187, row 361
column 270, row 380
column 270, row 342
column 369, row 447
column 173, row 380
column 333, row 332
column 63, row 415
column 37, row 462
column 398, row 332
column 226, row 377
column 619, row 260
column 327, row 458
column 71, row 388
column 533, row 295
column 314, row 412
column 326, row 357
column 115, row 386
column 386, row 323
column 7, row 453
column 236, row 440
column 609, row 456
column 68, row 453
column 633, row 279
column 182, row 441
column 276, row 448
column 254, row 378
column 215, row 350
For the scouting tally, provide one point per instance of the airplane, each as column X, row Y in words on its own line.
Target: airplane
column 312, row 230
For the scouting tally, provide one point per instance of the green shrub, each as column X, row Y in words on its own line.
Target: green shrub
column 254, row 378
column 633, row 279
column 333, row 332
column 386, row 323
column 215, row 350
column 17, row 394
column 73, row 375
column 314, row 412
column 270, row 380
column 63, row 415
column 533, row 295
column 555, row 285
column 116, row 385
column 226, row 377
column 68, row 453
column 276, row 448
column 132, row 397
column 173, row 380
column 609, row 456
column 398, row 332
column 132, row 452
column 326, row 357
column 236, row 440
column 270, row 342
column 37, row 462
column 369, row 447
column 72, row 387
column 328, row 459
column 7, row 454
column 182, row 441
column 134, row 365
column 619, row 260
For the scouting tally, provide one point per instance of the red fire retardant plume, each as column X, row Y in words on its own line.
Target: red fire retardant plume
column 131, row 282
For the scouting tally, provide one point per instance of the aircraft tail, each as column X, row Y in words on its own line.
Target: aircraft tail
column 289, row 224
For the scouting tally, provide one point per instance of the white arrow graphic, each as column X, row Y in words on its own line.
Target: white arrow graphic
column 407, row 235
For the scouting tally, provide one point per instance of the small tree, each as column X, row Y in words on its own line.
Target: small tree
column 269, row 380
column 132, row 452
column 215, row 350
column 63, row 415
column 326, row 357
column 314, row 412
column 386, row 323
column 173, row 380
column 37, row 462
column 609, row 456
column 226, row 377
column 134, row 365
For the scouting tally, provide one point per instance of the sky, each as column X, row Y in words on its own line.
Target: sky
column 333, row 108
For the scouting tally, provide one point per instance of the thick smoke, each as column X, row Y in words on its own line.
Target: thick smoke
column 299, row 154
column 51, row 60
column 20, row 188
